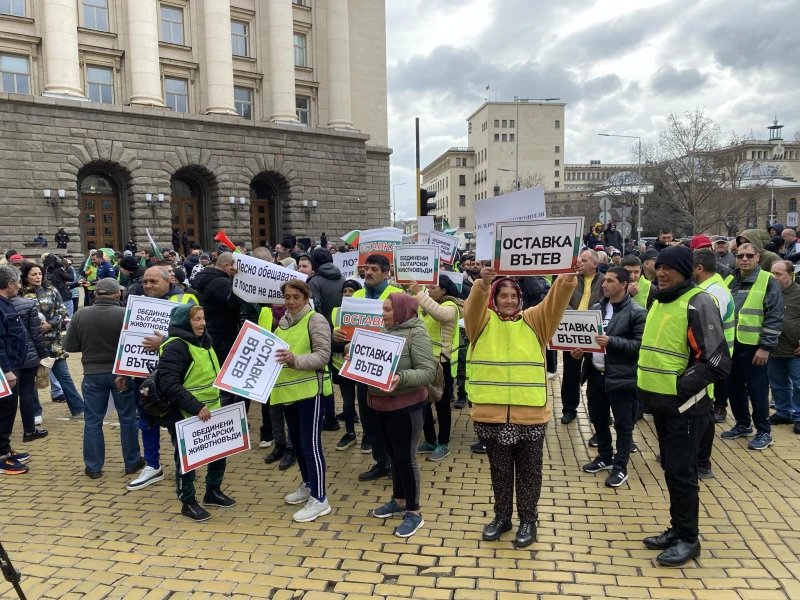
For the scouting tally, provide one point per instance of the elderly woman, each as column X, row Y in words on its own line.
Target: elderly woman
column 508, row 391
column 302, row 383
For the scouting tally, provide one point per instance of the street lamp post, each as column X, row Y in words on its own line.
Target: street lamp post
column 641, row 198
column 394, row 202
column 517, row 100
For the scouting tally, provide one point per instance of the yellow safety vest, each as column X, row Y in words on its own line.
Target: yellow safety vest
column 337, row 358
column 750, row 320
column 91, row 276
column 644, row 292
column 434, row 329
column 201, row 374
column 728, row 280
column 294, row 385
column 729, row 323
column 184, row 299
column 265, row 318
column 507, row 365
column 664, row 354
column 390, row 289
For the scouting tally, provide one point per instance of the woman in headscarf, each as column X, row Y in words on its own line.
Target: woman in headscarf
column 400, row 410
column 508, row 391
column 347, row 387
column 440, row 310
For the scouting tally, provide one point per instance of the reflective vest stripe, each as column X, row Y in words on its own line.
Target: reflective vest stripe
column 495, row 383
column 508, row 364
column 662, row 351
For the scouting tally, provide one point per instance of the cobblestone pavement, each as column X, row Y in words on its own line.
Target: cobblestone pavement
column 77, row 538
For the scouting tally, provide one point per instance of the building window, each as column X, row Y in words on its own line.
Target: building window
column 458, row 162
column 512, row 123
column 462, row 222
column 557, row 162
column 556, row 184
column 462, row 180
column 300, row 50
column 100, row 83
column 505, row 123
column 95, row 14
column 511, row 137
column 240, row 38
column 300, row 2
column 558, row 124
column 558, row 174
column 12, row 7
column 793, row 205
column 243, row 101
column 15, row 74
column 462, row 200
column 172, row 25
column 497, row 122
column 505, row 137
column 558, row 149
column 496, row 137
column 176, row 92
column 303, row 104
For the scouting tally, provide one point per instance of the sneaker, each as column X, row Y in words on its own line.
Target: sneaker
column 375, row 472
column 11, row 466
column 441, row 451
column 616, row 478
column 266, row 443
column 288, row 460
column 776, row 419
column 389, row 509
column 460, row 403
column 60, row 399
column 737, row 431
column 195, row 512
column 330, row 423
column 597, row 465
column 313, row 509
column 22, row 457
column 568, row 418
column 277, row 453
column 720, row 412
column 426, row 448
column 37, row 420
column 593, row 441
column 705, row 473
column 634, row 448
column 301, row 496
column 762, row 441
column 411, row 523
column 148, row 476
column 478, row 447
column 366, row 447
column 348, row 439
column 215, row 497
column 36, row 434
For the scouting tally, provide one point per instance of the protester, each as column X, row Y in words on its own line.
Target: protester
column 130, row 271
column 640, row 288
column 205, row 261
column 304, row 265
column 192, row 261
column 758, row 237
column 612, row 237
column 664, row 239
column 594, row 237
column 790, row 242
column 510, row 406
column 62, row 238
column 775, row 230
column 784, row 361
column 302, row 382
column 616, row 255
column 471, row 270
column 59, row 276
column 683, row 352
column 347, row 387
column 16, row 260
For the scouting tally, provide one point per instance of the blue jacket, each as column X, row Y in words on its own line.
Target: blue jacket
column 106, row 270
column 13, row 337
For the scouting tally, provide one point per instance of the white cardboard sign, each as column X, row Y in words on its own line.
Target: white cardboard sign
column 143, row 317
column 524, row 205
column 448, row 246
column 259, row 281
column 577, row 331
column 543, row 247
column 416, row 262
column 373, row 358
column 224, row 434
column 378, row 241
column 424, row 226
column 346, row 262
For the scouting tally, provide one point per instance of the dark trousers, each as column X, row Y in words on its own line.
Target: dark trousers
column 184, row 484
column 443, row 412
column 706, row 445
column 304, row 422
column 401, row 433
column 266, row 424
column 75, row 302
column 8, row 413
column 369, row 423
column 749, row 384
column 27, row 401
column 348, row 389
column 679, row 439
column 721, row 394
column 552, row 360
column 624, row 406
column 570, row 385
column 523, row 459
column 461, row 370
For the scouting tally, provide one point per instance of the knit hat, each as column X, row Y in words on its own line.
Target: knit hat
column 352, row 284
column 129, row 263
column 700, row 241
column 599, row 248
column 679, row 258
column 650, row 254
column 405, row 307
column 205, row 255
column 16, row 258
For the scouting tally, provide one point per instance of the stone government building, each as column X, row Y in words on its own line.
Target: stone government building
column 243, row 115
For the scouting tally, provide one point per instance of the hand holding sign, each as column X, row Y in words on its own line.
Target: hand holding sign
column 542, row 247
column 487, row 277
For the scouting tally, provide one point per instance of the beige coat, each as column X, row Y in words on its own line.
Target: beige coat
column 446, row 315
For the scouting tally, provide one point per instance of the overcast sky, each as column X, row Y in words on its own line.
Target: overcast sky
column 620, row 65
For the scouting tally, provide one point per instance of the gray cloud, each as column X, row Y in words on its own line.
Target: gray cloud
column 671, row 81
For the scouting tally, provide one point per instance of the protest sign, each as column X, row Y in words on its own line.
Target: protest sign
column 144, row 317
column 359, row 312
column 224, row 434
column 543, row 247
column 577, row 331
column 373, row 358
column 346, row 262
column 250, row 369
column 524, row 205
column 425, row 225
column 456, row 278
column 378, row 241
column 259, row 281
column 448, row 245
column 133, row 359
column 5, row 389
column 416, row 263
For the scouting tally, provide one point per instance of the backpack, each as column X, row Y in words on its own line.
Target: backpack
column 155, row 404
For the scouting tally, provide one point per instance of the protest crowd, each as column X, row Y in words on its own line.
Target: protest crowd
column 682, row 331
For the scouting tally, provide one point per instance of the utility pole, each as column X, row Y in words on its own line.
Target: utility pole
column 416, row 194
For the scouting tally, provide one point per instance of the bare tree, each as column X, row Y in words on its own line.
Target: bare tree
column 526, row 180
column 797, row 136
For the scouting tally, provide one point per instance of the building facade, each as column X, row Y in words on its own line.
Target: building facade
column 266, row 118
column 451, row 176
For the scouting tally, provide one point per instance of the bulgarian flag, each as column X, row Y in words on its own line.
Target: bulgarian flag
column 447, row 229
column 156, row 251
column 352, row 238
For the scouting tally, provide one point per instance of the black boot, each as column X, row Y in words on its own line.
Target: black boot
column 493, row 531
column 34, row 435
column 215, row 497
column 526, row 534
column 276, row 454
column 329, row 423
column 679, row 553
column 288, row 459
column 661, row 542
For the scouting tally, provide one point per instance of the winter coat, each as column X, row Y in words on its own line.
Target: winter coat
column 29, row 313
column 624, row 332
column 48, row 302
column 189, row 264
column 13, row 337
column 727, row 259
column 773, row 305
column 61, row 278
column 221, row 308
column 446, row 315
column 173, row 365
column 319, row 333
column 94, row 332
column 613, row 238
column 790, row 333
column 62, row 239
column 326, row 288
column 757, row 238
column 534, row 289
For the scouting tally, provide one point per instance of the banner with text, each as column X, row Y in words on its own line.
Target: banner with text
column 224, row 434
column 143, row 317
column 5, row 389
column 425, row 225
column 378, row 241
column 259, row 281
column 543, row 247
column 416, row 262
column 577, row 331
column 448, row 246
column 359, row 312
column 456, row 278
column 524, row 205
column 373, row 358
column 346, row 262
column 250, row 369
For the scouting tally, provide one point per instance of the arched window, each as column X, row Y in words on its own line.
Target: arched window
column 793, row 205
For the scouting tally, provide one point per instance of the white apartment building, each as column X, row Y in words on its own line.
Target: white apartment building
column 451, row 176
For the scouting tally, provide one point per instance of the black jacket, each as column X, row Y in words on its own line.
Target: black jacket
column 624, row 332
column 13, row 337
column 326, row 289
column 189, row 264
column 613, row 238
column 466, row 288
column 29, row 313
column 709, row 358
column 172, row 368
column 221, row 308
column 534, row 289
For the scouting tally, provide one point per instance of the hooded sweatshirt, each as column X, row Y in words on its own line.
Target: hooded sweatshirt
column 758, row 238
column 326, row 284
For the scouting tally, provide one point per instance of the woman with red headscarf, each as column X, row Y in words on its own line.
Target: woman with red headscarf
column 508, row 390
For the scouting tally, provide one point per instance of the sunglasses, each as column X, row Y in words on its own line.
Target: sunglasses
column 748, row 255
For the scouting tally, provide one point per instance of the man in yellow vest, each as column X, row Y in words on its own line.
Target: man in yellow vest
column 640, row 288
column 759, row 318
column 683, row 353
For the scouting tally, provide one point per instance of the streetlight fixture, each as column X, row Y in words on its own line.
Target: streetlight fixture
column 517, row 100
column 641, row 198
column 394, row 202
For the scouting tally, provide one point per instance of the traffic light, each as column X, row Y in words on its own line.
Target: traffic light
column 425, row 204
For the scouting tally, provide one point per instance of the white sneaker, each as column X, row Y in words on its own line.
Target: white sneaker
column 148, row 476
column 265, row 444
column 313, row 509
column 37, row 420
column 301, row 496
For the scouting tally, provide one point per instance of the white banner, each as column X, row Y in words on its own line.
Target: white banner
column 144, row 317
column 543, row 247
column 259, row 281
column 524, row 205
column 224, row 434
column 425, row 225
column 373, row 358
column 250, row 369
column 346, row 262
column 577, row 331
column 416, row 263
column 456, row 278
column 447, row 244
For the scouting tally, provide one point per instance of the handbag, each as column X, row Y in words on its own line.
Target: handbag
column 436, row 388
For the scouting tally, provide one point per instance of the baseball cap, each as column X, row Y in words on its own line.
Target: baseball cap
column 107, row 287
column 721, row 240
column 16, row 258
column 615, row 252
column 700, row 241
column 599, row 247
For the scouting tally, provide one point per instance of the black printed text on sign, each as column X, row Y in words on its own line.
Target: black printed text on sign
column 577, row 331
column 373, row 358
column 541, row 247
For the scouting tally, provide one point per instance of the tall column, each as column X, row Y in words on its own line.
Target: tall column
column 219, row 58
column 62, row 71
column 339, row 110
column 143, row 53
column 281, row 51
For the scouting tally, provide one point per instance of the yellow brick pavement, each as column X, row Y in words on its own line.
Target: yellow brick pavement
column 75, row 538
